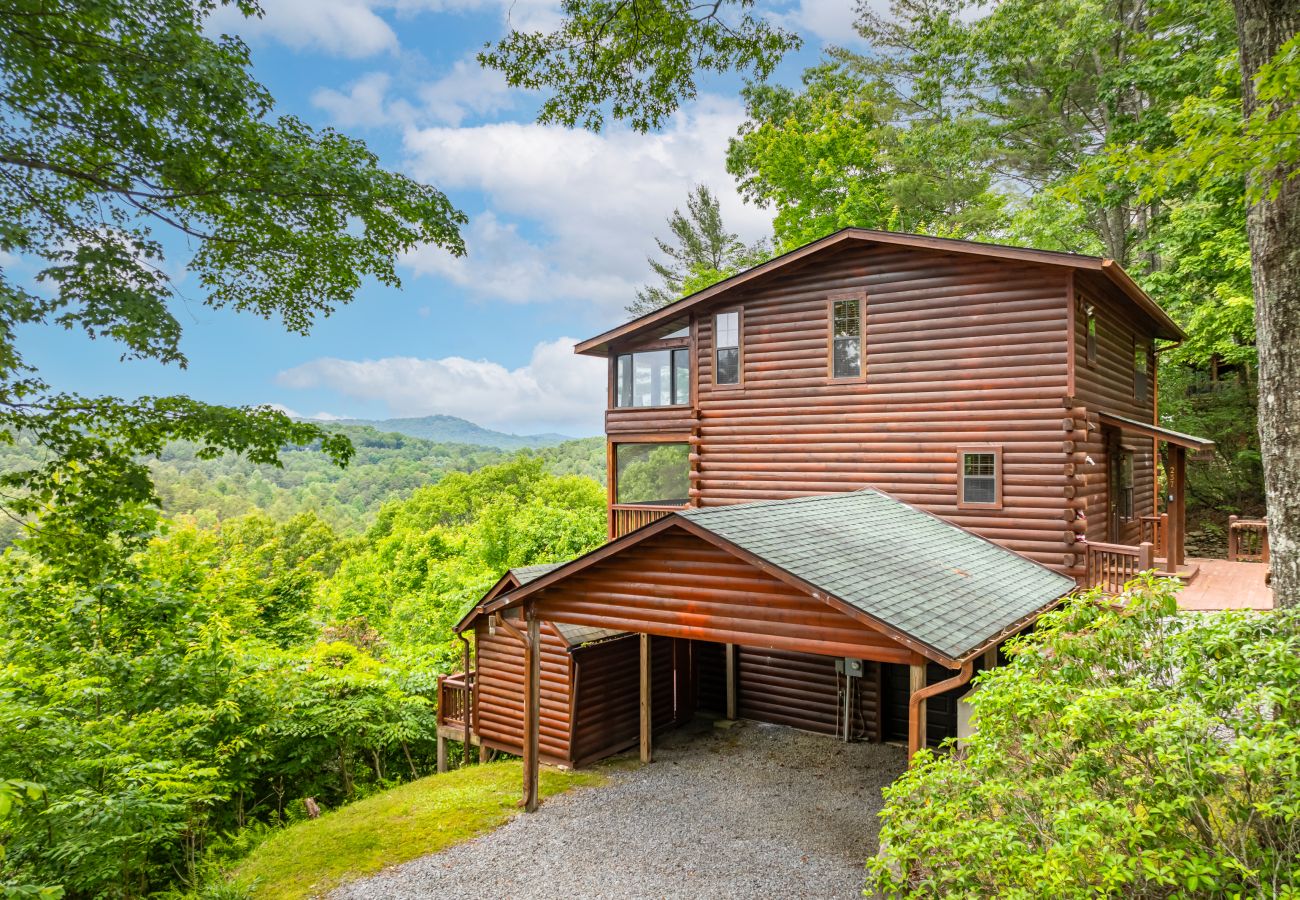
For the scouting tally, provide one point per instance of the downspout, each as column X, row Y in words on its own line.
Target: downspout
column 469, row 709
column 914, row 737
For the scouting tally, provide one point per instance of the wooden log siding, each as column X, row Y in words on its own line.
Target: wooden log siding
column 606, row 698
column 499, row 710
column 1107, row 385
column 675, row 584
column 802, row 690
column 958, row 350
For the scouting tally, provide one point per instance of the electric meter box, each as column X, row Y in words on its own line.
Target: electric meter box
column 850, row 667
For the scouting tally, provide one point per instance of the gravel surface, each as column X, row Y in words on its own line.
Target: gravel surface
column 750, row 811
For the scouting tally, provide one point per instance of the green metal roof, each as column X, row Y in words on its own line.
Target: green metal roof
column 573, row 635
column 913, row 571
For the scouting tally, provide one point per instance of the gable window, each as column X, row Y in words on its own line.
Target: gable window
column 979, row 477
column 726, row 363
column 846, row 337
column 1090, row 329
column 653, row 378
column 1141, row 370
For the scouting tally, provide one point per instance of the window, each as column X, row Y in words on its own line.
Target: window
column 726, row 334
column 652, row 473
column 846, row 337
column 653, row 378
column 1125, row 479
column 1090, row 326
column 1141, row 369
column 980, row 470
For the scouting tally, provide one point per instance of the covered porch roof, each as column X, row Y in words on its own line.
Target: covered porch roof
column 845, row 566
column 1146, row 429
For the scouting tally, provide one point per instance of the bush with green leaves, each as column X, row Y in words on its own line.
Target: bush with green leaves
column 1127, row 750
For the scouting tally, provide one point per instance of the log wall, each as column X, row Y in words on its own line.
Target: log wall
column 1107, row 386
column 674, row 584
column 499, row 707
column 803, row 690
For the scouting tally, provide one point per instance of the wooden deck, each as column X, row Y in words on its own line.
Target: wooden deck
column 1220, row 584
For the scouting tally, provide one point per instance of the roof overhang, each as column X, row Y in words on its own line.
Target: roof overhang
column 1177, row 438
column 669, row 317
column 517, row 596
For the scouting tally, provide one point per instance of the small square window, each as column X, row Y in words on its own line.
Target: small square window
column 1141, row 371
column 980, row 472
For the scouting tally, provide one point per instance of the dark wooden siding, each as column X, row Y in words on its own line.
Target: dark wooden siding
column 803, row 690
column 500, row 692
column 675, row 584
column 1107, row 386
column 959, row 350
column 940, row 711
column 607, row 710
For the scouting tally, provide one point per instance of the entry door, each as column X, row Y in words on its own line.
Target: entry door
column 1113, row 475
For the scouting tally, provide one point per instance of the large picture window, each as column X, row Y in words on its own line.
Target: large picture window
column 653, row 378
column 846, row 337
column 653, row 474
column 979, row 477
column 726, row 334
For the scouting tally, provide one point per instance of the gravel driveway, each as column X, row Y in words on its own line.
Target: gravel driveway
column 750, row 811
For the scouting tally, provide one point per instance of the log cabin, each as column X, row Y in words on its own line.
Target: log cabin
column 837, row 482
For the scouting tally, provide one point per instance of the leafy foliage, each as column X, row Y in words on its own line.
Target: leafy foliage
column 636, row 58
column 705, row 253
column 211, row 681
column 1126, row 750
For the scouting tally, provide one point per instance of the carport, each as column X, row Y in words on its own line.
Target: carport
column 856, row 576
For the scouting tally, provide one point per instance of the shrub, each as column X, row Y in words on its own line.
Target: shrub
column 1128, row 750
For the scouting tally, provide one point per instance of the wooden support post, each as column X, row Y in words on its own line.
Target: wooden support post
column 468, row 699
column 731, row 681
column 442, row 754
column 990, row 658
column 483, row 751
column 916, row 729
column 647, row 723
column 1178, row 505
column 532, row 709
column 1232, row 539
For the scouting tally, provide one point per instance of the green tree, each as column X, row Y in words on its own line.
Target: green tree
column 126, row 129
column 847, row 150
column 1127, row 750
column 704, row 253
column 636, row 60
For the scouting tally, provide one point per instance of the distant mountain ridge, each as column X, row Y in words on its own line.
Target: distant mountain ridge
column 454, row 430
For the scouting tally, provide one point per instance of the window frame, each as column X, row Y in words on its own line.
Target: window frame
column 671, row 349
column 1142, row 385
column 995, row 450
column 861, row 298
column 1091, row 334
column 739, row 383
column 615, row 441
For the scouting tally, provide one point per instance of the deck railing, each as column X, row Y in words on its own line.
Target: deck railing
column 1110, row 566
column 1247, row 540
column 1155, row 531
column 452, row 709
column 625, row 517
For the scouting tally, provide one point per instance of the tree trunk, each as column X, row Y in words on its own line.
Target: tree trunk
column 1273, row 226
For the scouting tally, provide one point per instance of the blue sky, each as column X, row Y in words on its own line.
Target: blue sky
column 560, row 224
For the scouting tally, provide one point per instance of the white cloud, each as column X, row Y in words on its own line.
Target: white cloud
column 293, row 413
column 830, row 20
column 525, row 15
column 555, row 390
column 348, row 28
column 595, row 200
column 467, row 88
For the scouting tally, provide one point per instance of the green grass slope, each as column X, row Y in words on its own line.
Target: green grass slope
column 310, row 858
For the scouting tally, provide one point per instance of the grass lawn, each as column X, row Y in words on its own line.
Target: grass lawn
column 425, row 816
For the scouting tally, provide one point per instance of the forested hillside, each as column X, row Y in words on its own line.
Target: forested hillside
column 386, row 466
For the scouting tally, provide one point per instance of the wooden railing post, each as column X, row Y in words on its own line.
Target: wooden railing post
column 1232, row 538
column 1146, row 556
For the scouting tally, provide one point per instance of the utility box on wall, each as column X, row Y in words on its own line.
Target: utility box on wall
column 965, row 726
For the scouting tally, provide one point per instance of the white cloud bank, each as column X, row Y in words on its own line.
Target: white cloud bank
column 556, row 390
column 571, row 214
column 349, row 28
